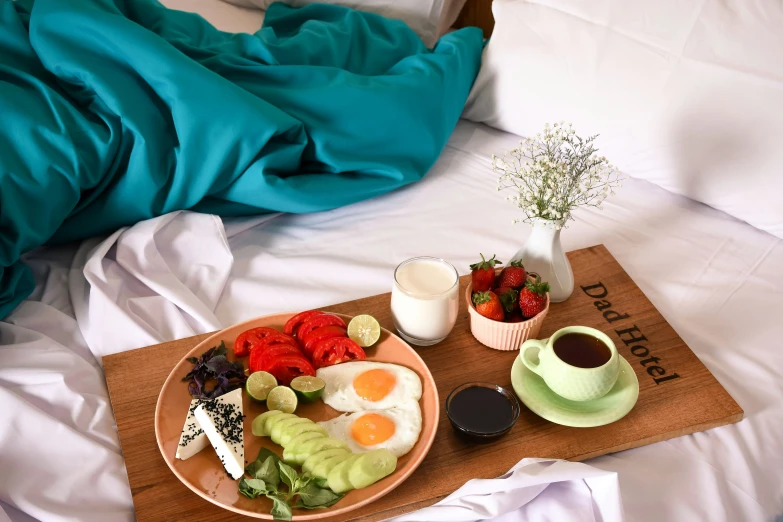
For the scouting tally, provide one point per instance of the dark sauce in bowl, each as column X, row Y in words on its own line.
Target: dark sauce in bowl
column 482, row 412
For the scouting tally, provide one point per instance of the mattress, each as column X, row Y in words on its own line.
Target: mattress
column 716, row 280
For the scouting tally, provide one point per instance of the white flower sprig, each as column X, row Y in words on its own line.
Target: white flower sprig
column 555, row 172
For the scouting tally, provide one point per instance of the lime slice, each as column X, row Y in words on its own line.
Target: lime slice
column 308, row 389
column 364, row 330
column 282, row 398
column 259, row 384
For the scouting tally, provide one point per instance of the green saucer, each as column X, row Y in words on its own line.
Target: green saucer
column 536, row 395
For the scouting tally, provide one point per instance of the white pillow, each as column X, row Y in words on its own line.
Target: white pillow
column 687, row 94
column 423, row 16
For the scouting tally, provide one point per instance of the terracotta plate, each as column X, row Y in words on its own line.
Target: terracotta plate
column 203, row 472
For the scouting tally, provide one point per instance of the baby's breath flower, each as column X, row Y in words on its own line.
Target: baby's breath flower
column 555, row 172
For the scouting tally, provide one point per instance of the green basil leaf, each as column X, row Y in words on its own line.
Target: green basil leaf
column 312, row 497
column 264, row 454
column 280, row 509
column 248, row 491
column 267, row 471
column 256, row 484
column 288, row 474
column 320, row 482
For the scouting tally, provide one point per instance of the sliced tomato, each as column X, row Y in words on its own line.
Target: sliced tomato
column 336, row 350
column 258, row 360
column 296, row 321
column 272, row 340
column 317, row 322
column 353, row 352
column 246, row 339
column 327, row 352
column 286, row 367
column 271, row 354
column 309, row 341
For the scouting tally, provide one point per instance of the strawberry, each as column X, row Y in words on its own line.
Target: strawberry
column 513, row 276
column 532, row 298
column 488, row 305
column 516, row 317
column 509, row 298
column 483, row 274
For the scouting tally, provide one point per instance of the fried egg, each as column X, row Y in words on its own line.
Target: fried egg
column 396, row 429
column 367, row 385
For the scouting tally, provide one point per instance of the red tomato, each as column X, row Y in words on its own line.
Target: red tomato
column 257, row 359
column 309, row 341
column 286, row 367
column 271, row 354
column 317, row 322
column 292, row 324
column 353, row 352
column 246, row 339
column 271, row 340
column 336, row 350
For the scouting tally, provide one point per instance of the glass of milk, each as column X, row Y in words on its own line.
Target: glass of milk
column 424, row 300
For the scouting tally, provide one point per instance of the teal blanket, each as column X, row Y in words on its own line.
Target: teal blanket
column 115, row 111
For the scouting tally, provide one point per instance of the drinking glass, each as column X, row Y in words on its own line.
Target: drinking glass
column 424, row 301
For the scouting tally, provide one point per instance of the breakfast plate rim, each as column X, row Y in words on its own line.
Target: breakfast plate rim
column 426, row 439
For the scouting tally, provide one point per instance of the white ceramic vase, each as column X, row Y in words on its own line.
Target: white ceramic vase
column 543, row 254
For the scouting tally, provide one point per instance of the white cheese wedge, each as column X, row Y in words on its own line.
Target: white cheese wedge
column 221, row 420
column 193, row 439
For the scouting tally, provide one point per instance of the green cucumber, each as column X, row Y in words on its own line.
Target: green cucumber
column 322, row 469
column 297, row 429
column 315, row 459
column 260, row 421
column 371, row 467
column 338, row 476
column 290, row 453
column 314, row 446
column 300, row 439
column 271, row 421
column 279, row 428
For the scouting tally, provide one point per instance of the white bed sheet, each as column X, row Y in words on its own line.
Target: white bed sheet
column 224, row 16
column 717, row 281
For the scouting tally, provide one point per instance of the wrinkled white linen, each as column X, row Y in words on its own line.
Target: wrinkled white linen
column 223, row 15
column 717, row 281
column 534, row 489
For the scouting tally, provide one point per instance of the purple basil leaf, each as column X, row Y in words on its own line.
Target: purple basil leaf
column 213, row 366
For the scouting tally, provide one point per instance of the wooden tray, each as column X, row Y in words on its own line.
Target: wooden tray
column 678, row 396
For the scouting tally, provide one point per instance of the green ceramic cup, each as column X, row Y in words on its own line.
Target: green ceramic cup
column 571, row 382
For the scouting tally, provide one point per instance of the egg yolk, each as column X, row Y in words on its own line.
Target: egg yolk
column 371, row 429
column 374, row 385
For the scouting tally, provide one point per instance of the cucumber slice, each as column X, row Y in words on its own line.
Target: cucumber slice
column 290, row 455
column 338, row 476
column 271, row 421
column 325, row 466
column 371, row 467
column 260, row 421
column 279, row 428
column 316, row 458
column 300, row 439
column 294, row 431
column 314, row 446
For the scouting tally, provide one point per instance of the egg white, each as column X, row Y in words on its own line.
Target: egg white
column 340, row 394
column 407, row 428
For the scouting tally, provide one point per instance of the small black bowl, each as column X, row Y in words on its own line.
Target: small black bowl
column 474, row 433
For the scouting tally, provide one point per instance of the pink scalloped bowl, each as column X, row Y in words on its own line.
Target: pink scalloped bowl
column 499, row 335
